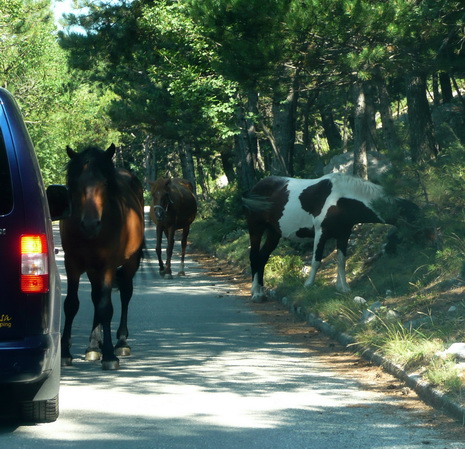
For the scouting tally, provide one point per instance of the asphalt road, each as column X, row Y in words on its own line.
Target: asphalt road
column 208, row 373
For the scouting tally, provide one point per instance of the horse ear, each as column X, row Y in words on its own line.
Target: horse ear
column 70, row 152
column 111, row 151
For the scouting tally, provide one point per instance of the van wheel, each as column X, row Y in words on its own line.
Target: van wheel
column 40, row 411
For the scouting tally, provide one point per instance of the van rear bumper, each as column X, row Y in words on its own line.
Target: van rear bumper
column 29, row 360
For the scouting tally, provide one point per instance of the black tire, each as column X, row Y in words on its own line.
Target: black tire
column 40, row 411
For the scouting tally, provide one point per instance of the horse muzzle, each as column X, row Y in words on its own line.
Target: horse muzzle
column 159, row 213
column 91, row 227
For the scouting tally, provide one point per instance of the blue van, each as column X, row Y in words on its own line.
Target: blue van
column 30, row 303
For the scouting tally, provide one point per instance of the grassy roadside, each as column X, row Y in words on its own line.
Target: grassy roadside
column 409, row 307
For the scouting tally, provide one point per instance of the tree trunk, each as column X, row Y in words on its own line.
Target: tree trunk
column 227, row 160
column 201, row 177
column 389, row 132
column 436, row 93
column 308, row 156
column 284, row 112
column 187, row 163
column 360, row 133
column 423, row 145
column 446, row 87
column 150, row 159
column 370, row 114
column 246, row 143
column 332, row 134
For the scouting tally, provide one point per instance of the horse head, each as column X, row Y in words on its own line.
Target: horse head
column 90, row 178
column 161, row 195
column 411, row 224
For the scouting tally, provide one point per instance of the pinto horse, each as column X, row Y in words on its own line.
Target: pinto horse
column 173, row 207
column 319, row 209
column 103, row 237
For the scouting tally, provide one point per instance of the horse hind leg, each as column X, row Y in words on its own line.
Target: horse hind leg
column 70, row 308
column 185, row 233
column 159, row 236
column 259, row 259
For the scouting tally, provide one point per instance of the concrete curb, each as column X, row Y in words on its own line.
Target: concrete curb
column 424, row 390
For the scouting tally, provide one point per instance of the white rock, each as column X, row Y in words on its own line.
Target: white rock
column 456, row 349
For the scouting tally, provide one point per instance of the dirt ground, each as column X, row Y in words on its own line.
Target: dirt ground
column 337, row 358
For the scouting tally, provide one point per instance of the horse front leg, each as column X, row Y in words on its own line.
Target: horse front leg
column 341, row 282
column 124, row 277
column 70, row 308
column 169, row 233
column 318, row 248
column 101, row 297
column 158, row 249
column 185, row 233
column 94, row 350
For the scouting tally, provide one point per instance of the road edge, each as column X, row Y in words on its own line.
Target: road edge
column 424, row 390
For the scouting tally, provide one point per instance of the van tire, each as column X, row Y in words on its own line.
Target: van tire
column 40, row 411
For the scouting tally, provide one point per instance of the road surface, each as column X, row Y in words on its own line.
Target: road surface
column 208, row 373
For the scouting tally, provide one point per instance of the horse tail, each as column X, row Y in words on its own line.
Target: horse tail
column 256, row 203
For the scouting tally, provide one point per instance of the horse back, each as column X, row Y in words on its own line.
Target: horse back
column 295, row 206
column 265, row 202
column 132, row 194
column 183, row 191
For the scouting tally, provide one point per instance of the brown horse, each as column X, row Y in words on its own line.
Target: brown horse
column 103, row 237
column 173, row 207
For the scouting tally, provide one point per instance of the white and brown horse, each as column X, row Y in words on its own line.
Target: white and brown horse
column 173, row 207
column 319, row 209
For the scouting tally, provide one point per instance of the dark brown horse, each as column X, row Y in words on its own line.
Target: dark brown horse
column 173, row 207
column 103, row 237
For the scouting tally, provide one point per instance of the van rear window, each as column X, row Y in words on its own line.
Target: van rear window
column 6, row 191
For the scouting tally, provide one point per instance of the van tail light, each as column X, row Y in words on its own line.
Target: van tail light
column 34, row 264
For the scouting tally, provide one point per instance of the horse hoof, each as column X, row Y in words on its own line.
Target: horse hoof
column 93, row 355
column 123, row 351
column 259, row 298
column 182, row 273
column 110, row 365
column 168, row 276
column 66, row 361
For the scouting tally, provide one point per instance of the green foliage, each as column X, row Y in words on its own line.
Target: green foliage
column 247, row 35
column 285, row 269
column 59, row 108
column 445, row 375
column 220, row 221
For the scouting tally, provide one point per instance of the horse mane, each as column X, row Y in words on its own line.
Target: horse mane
column 95, row 160
column 358, row 186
